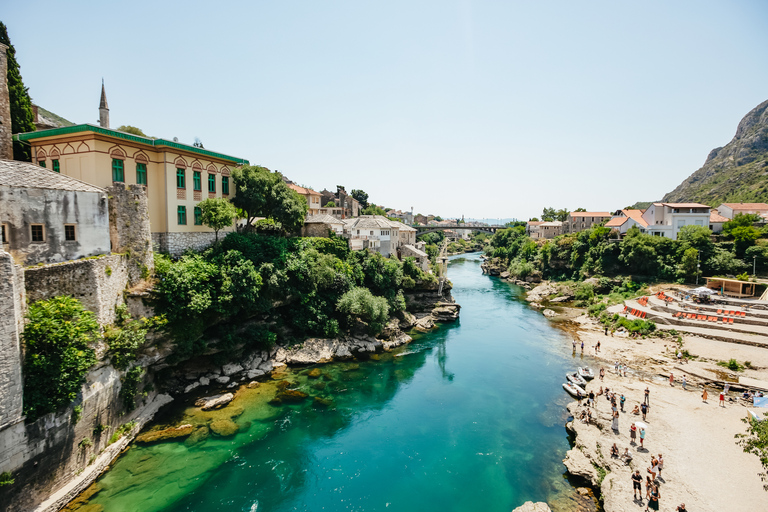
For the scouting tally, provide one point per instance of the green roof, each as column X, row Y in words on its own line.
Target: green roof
column 157, row 143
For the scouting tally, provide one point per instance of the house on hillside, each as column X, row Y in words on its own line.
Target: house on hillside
column 532, row 228
column 343, row 202
column 322, row 225
column 730, row 210
column 309, row 195
column 666, row 219
column 547, row 230
column 623, row 220
column 176, row 176
column 374, row 232
column 46, row 217
column 716, row 221
column 579, row 221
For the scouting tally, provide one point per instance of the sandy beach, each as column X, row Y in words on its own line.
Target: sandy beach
column 703, row 466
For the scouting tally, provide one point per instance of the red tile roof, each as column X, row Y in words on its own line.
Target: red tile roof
column 683, row 205
column 747, row 206
column 590, row 214
column 302, row 190
column 616, row 222
column 714, row 217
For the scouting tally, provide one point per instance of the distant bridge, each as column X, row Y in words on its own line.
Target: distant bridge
column 423, row 230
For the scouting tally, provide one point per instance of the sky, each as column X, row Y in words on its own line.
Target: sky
column 492, row 109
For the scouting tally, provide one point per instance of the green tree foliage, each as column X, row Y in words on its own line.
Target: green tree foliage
column 130, row 387
column 330, row 204
column 124, row 341
column 372, row 209
column 132, row 130
column 263, row 193
column 361, row 303
column 550, row 214
column 22, row 117
column 57, row 338
column 361, row 196
column 435, row 237
column 755, row 441
column 217, row 213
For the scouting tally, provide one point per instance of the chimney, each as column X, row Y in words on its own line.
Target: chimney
column 103, row 108
column 6, row 138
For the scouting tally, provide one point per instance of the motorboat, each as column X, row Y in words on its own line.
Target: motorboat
column 576, row 379
column 586, row 373
column 574, row 390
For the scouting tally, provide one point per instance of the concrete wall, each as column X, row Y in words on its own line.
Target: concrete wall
column 98, row 283
column 176, row 243
column 129, row 229
column 12, row 303
column 87, row 211
column 6, row 143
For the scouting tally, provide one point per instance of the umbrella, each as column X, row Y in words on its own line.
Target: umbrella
column 640, row 424
column 703, row 290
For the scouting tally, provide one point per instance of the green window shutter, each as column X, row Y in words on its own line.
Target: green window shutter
column 225, row 185
column 197, row 181
column 212, row 183
column 118, row 173
column 181, row 213
column 56, row 167
column 198, row 216
column 141, row 174
column 41, row 163
column 180, row 180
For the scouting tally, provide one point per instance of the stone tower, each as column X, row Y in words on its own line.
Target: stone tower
column 6, row 142
column 103, row 108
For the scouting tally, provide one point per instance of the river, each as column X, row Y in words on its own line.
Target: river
column 467, row 417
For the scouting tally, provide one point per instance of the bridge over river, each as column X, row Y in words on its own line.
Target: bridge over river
column 421, row 230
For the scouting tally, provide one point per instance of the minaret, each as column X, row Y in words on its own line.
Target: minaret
column 103, row 108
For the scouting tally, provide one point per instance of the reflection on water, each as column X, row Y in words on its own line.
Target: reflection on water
column 468, row 417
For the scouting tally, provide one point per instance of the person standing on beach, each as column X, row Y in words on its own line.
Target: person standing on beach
column 726, row 388
column 648, row 485
column 615, row 423
column 704, row 395
column 681, row 508
column 660, row 465
column 582, row 346
column 632, row 433
column 684, row 381
column 591, row 401
column 597, row 349
column 671, row 379
column 637, row 483
column 621, row 401
column 602, row 373
column 642, row 436
column 579, row 397
column 647, row 399
column 653, row 501
column 722, row 399
column 644, row 410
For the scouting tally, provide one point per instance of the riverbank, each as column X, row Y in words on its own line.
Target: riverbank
column 703, row 466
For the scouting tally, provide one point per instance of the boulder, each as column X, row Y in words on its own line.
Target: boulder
column 253, row 362
column 224, row 428
column 266, row 366
column 222, row 380
column 214, row 402
column 536, row 305
column 408, row 321
column 204, row 381
column 314, row 373
column 541, row 292
column 579, row 465
column 252, row 374
column 504, row 275
column 342, row 352
column 549, row 313
column 312, row 351
column 191, row 387
column 530, row 506
column 198, row 436
column 396, row 342
column 231, row 369
column 167, row 434
column 425, row 324
column 564, row 298
column 446, row 312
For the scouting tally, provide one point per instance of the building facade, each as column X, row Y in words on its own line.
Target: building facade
column 579, row 221
column 730, row 210
column 623, row 220
column 666, row 219
column 312, row 198
column 374, row 232
column 176, row 176
column 47, row 217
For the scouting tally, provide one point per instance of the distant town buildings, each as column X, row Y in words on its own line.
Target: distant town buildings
column 730, row 210
column 579, row 221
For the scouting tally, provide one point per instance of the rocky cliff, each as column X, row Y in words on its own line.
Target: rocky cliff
column 737, row 172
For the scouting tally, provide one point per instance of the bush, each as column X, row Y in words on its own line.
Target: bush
column 6, row 478
column 361, row 303
column 732, row 365
column 57, row 338
column 130, row 387
column 125, row 343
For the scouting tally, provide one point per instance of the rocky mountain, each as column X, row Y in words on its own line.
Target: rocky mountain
column 737, row 172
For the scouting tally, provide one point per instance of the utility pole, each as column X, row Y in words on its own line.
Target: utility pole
column 698, row 266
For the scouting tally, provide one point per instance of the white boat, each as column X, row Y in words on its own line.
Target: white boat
column 576, row 379
column 586, row 373
column 574, row 390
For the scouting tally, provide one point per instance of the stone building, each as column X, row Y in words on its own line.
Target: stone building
column 176, row 176
column 345, row 204
column 46, row 217
column 579, row 221
column 312, row 198
column 321, row 226
column 374, row 232
column 730, row 210
column 545, row 230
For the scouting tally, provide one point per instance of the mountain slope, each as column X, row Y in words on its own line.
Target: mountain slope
column 737, row 172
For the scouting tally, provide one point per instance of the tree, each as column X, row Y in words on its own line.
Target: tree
column 688, row 263
column 58, row 336
column 330, row 204
column 22, row 117
column 372, row 209
column 132, row 130
column 550, row 215
column 361, row 197
column 217, row 213
column 263, row 193
column 580, row 210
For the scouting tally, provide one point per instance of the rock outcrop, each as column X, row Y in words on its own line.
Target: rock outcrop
column 209, row 403
column 530, row 506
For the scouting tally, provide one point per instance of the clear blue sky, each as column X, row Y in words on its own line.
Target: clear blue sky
column 483, row 109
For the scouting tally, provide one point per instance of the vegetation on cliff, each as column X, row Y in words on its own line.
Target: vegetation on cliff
column 57, row 337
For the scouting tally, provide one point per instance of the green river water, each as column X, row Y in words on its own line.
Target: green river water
column 469, row 417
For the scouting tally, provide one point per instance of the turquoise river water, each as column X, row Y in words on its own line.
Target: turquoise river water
column 467, row 417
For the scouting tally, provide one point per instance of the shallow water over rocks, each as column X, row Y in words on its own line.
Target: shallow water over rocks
column 467, row 417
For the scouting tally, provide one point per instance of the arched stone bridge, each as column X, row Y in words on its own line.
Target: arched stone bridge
column 422, row 230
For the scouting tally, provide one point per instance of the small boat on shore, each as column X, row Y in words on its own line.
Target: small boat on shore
column 574, row 390
column 586, row 373
column 576, row 379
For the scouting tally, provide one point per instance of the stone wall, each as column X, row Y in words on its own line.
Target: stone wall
column 98, row 283
column 6, row 144
column 176, row 243
column 129, row 229
column 11, row 322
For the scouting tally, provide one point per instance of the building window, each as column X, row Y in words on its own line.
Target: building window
column 197, row 182
column 41, row 163
column 38, row 233
column 181, row 214
column 56, row 167
column 180, row 180
column 69, row 233
column 118, row 171
column 198, row 216
column 141, row 174
column 212, row 183
column 225, row 185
